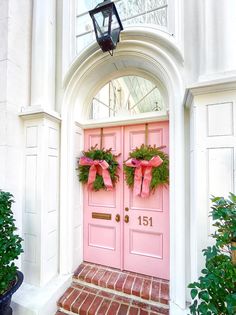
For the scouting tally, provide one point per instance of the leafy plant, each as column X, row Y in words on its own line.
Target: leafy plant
column 224, row 215
column 160, row 174
column 10, row 243
column 215, row 291
column 99, row 154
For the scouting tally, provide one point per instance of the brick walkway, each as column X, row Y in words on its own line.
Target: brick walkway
column 105, row 291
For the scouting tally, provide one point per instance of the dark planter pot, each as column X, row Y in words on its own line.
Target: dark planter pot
column 5, row 299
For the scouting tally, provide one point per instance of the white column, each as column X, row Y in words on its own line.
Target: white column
column 41, row 202
column 43, row 54
column 219, row 40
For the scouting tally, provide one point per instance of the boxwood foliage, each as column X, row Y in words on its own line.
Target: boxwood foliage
column 215, row 291
column 10, row 243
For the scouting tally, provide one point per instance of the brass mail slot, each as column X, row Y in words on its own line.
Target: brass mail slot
column 101, row 216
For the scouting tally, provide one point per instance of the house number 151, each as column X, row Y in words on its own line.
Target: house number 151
column 146, row 221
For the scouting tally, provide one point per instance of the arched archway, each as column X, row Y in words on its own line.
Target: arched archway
column 153, row 55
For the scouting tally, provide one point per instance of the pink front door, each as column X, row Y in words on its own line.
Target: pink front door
column 139, row 242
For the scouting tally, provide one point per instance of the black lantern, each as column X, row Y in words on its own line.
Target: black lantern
column 107, row 25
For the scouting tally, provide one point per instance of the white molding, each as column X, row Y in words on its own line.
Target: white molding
column 118, row 121
column 213, row 86
column 36, row 113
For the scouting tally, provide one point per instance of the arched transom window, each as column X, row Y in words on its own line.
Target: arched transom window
column 127, row 96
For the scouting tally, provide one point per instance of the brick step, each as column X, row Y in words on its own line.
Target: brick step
column 145, row 287
column 87, row 300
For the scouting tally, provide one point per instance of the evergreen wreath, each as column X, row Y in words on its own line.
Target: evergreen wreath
column 160, row 174
column 99, row 154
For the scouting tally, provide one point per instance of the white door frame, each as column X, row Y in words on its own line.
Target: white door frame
column 154, row 56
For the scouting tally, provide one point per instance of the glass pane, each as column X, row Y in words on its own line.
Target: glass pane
column 125, row 96
column 101, row 23
column 86, row 5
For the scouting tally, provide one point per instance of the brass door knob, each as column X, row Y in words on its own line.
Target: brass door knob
column 117, row 218
column 126, row 209
column 126, row 219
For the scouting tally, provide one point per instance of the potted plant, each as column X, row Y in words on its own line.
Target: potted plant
column 10, row 249
column 215, row 291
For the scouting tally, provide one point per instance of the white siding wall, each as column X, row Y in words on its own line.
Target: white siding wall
column 213, row 145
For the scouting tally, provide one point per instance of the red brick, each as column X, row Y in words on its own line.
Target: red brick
column 84, row 272
column 78, row 302
column 164, row 293
column 79, row 269
column 123, row 309
column 73, row 296
column 155, row 292
column 136, row 290
column 112, row 281
column 104, row 307
column 133, row 311
column 123, row 299
column 160, row 310
column 77, row 286
column 60, row 313
column 145, row 292
column 91, row 290
column 98, row 276
column 87, row 303
column 120, row 282
column 95, row 305
column 141, row 305
column 65, row 296
column 113, row 308
column 143, row 312
column 106, row 294
column 90, row 274
column 128, row 284
column 104, row 279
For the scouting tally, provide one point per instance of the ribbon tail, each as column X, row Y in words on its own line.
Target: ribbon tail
column 92, row 175
column 146, row 182
column 107, row 179
column 137, row 181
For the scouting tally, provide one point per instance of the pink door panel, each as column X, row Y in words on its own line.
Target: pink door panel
column 142, row 244
column 146, row 235
column 102, row 238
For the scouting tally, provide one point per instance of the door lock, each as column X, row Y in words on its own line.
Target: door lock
column 126, row 218
column 117, row 218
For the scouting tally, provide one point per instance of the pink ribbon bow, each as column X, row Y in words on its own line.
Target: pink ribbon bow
column 97, row 166
column 143, row 174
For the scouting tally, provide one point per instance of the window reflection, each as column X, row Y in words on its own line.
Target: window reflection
column 126, row 96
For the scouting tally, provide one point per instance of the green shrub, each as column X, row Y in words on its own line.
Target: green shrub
column 10, row 243
column 215, row 291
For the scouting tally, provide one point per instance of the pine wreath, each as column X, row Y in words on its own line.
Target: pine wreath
column 160, row 174
column 99, row 155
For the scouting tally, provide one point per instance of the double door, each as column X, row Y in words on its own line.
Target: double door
column 122, row 230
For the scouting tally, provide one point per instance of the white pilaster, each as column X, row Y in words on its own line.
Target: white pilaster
column 219, row 48
column 213, row 147
column 43, row 54
column 40, row 215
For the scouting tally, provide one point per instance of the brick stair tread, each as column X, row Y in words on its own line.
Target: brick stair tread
column 145, row 287
column 60, row 313
column 86, row 300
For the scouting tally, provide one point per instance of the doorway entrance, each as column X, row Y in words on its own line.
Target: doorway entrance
column 122, row 230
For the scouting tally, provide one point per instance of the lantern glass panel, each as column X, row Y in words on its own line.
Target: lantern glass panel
column 102, row 23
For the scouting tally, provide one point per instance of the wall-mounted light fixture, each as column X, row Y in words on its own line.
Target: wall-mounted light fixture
column 107, row 25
